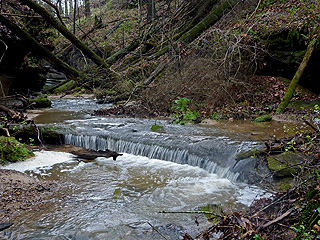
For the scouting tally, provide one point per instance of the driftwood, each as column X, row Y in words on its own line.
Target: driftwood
column 90, row 154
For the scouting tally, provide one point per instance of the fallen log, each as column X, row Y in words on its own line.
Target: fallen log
column 90, row 154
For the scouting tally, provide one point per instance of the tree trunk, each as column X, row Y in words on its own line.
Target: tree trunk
column 87, row 8
column 70, row 7
column 74, row 17
column 66, row 12
column 38, row 49
column 123, row 52
column 65, row 32
column 215, row 14
column 150, row 10
column 60, row 6
column 294, row 82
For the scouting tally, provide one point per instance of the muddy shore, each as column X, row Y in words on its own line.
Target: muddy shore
column 20, row 193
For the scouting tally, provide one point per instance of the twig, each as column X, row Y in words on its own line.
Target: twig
column 203, row 212
column 157, row 231
column 287, row 213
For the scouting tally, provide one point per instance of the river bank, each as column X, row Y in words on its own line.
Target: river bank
column 21, row 193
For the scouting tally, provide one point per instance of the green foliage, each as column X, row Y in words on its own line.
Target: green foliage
column 215, row 116
column 257, row 237
column 12, row 150
column 310, row 214
column 183, row 114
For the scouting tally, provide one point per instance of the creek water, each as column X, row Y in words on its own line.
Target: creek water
column 178, row 168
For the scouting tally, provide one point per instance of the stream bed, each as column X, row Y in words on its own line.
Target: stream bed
column 178, row 168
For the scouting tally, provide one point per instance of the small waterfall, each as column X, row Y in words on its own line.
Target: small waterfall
column 167, row 153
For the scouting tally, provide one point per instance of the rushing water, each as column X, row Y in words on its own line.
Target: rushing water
column 106, row 199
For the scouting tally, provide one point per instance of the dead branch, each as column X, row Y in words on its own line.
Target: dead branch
column 287, row 213
column 157, row 231
column 56, row 9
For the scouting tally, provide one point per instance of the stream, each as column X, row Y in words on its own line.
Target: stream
column 177, row 168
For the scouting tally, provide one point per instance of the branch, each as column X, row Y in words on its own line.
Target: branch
column 55, row 8
column 287, row 213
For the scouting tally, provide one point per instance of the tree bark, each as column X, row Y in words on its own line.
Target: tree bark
column 87, row 8
column 294, row 82
column 215, row 14
column 38, row 49
column 150, row 10
column 123, row 52
column 66, row 12
column 72, row 38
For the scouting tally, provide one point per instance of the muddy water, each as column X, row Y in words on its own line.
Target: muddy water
column 106, row 199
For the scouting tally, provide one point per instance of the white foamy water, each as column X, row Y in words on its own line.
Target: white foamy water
column 92, row 210
column 42, row 159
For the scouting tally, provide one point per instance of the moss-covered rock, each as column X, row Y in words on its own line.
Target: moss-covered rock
column 285, row 164
column 41, row 102
column 247, row 154
column 12, row 150
column 29, row 134
column 264, row 118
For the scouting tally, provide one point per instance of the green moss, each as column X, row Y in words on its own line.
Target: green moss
column 12, row 150
column 284, row 184
column 66, row 87
column 41, row 102
column 264, row 118
column 213, row 208
column 117, row 195
column 156, row 127
column 248, row 154
column 285, row 164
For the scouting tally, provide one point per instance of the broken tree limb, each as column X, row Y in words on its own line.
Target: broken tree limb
column 157, row 231
column 113, row 29
column 56, row 9
column 294, row 82
column 287, row 213
column 155, row 73
column 191, row 212
column 123, row 52
column 38, row 49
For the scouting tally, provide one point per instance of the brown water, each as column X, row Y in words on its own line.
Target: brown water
column 106, row 199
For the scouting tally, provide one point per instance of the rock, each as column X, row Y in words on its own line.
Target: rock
column 264, row 118
column 41, row 102
column 5, row 225
column 285, row 164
